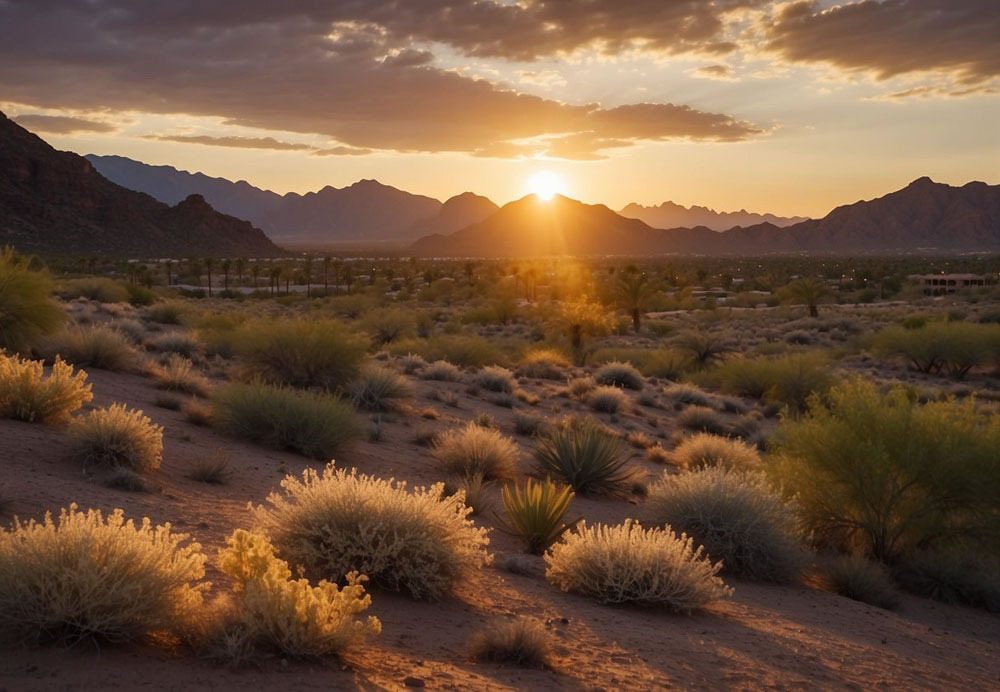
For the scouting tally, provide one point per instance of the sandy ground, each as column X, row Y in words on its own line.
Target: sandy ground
column 765, row 636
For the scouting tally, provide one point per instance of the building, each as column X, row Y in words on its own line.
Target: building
column 940, row 284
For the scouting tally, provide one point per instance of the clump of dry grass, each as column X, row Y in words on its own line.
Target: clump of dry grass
column 379, row 389
column 543, row 364
column 197, row 413
column 618, row 374
column 704, row 449
column 608, row 400
column 657, row 454
column 214, row 469
column 475, row 449
column 522, row 642
column 27, row 394
column 442, row 371
column 116, row 437
column 630, row 564
column 177, row 374
column 338, row 522
column 83, row 576
column 95, row 347
column 493, row 378
column 861, row 580
column 579, row 387
column 702, row 419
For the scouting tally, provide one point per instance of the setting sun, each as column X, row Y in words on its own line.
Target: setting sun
column 545, row 184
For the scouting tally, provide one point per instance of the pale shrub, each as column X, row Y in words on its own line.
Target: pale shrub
column 493, row 378
column 705, row 449
column 86, row 576
column 703, row 419
column 443, row 371
column 521, row 642
column 177, row 342
column 608, row 400
column 736, row 516
column 618, row 374
column 167, row 312
column 177, row 374
column 476, row 449
column 580, row 386
column 96, row 347
column 389, row 325
column 630, row 564
column 687, row 395
column 133, row 330
column 339, row 522
column 544, row 364
column 290, row 616
column 116, row 437
column 379, row 389
column 27, row 394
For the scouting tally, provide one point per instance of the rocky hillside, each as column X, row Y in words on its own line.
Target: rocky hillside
column 671, row 215
column 55, row 202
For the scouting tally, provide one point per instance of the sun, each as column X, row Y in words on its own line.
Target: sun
column 545, row 184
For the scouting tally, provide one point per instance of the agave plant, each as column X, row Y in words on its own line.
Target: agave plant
column 535, row 513
column 588, row 458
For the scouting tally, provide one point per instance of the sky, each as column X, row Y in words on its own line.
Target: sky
column 785, row 107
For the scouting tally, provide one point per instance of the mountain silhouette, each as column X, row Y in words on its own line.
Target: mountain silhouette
column 55, row 202
column 671, row 215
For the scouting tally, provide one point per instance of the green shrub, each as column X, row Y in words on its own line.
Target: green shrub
column 630, row 564
column 389, row 325
column 527, row 423
column 340, row 522
column 313, row 424
column 586, row 457
column 705, row 449
column 521, row 642
column 953, row 347
column 476, row 449
column 300, row 352
column 950, row 578
column 619, row 374
column 116, row 437
column 27, row 310
column 687, row 395
column 667, row 363
column 94, row 288
column 167, row 312
column 788, row 379
column 879, row 473
column 464, row 351
column 95, row 347
column 496, row 379
column 26, row 394
column 177, row 374
column 379, row 389
column 702, row 419
column 83, row 576
column 535, row 513
column 862, row 580
column 543, row 364
column 442, row 371
column 736, row 516
column 276, row 613
column 608, row 400
column 177, row 342
column 702, row 348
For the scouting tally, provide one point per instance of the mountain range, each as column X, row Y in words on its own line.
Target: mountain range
column 672, row 215
column 55, row 202
column 365, row 212
column 924, row 216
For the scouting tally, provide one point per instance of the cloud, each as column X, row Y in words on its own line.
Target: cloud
column 233, row 142
column 60, row 124
column 347, row 70
column 342, row 151
column 927, row 92
column 889, row 38
column 721, row 72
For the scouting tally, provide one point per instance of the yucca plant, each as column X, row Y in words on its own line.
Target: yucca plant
column 535, row 513
column 586, row 457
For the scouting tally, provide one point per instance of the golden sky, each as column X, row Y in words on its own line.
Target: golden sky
column 785, row 107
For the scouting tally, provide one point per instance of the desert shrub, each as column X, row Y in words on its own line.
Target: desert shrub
column 133, row 330
column 687, row 395
column 543, row 364
column 95, row 347
column 27, row 310
column 339, row 522
column 84, row 576
column 521, row 642
column 213, row 470
column 639, row 439
column 464, row 351
column 954, row 347
column 736, row 516
column 94, row 288
column 630, row 564
column 702, row 419
column 116, row 437
column 27, row 394
column 476, row 449
column 617, row 374
column 608, row 400
column 197, row 413
column 950, row 578
column 443, row 371
column 389, row 325
column 877, row 473
column 290, row 616
column 535, row 513
column 701, row 348
column 313, row 424
column 657, row 454
column 485, row 420
column 861, row 580
column 668, row 363
column 705, row 449
column 167, row 312
column 177, row 342
column 411, row 363
column 496, row 379
column 300, row 352
column 177, row 374
column 581, row 386
column 476, row 497
column 585, row 456
column 788, row 379
column 527, row 423
column 379, row 389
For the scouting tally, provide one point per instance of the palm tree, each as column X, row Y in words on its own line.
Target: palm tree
column 226, row 264
column 275, row 275
column 326, row 275
column 703, row 347
column 634, row 292
column 240, row 266
column 307, row 272
column 195, row 267
column 208, row 270
column 255, row 273
column 809, row 292
column 170, row 264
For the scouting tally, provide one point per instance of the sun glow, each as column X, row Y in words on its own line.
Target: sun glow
column 545, row 184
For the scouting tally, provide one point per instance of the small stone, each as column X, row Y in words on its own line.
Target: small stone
column 413, row 681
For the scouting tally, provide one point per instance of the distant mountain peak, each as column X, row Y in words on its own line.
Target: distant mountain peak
column 672, row 215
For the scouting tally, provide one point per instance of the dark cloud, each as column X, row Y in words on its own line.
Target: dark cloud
column 349, row 70
column 60, row 124
column 233, row 142
column 714, row 72
column 892, row 37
